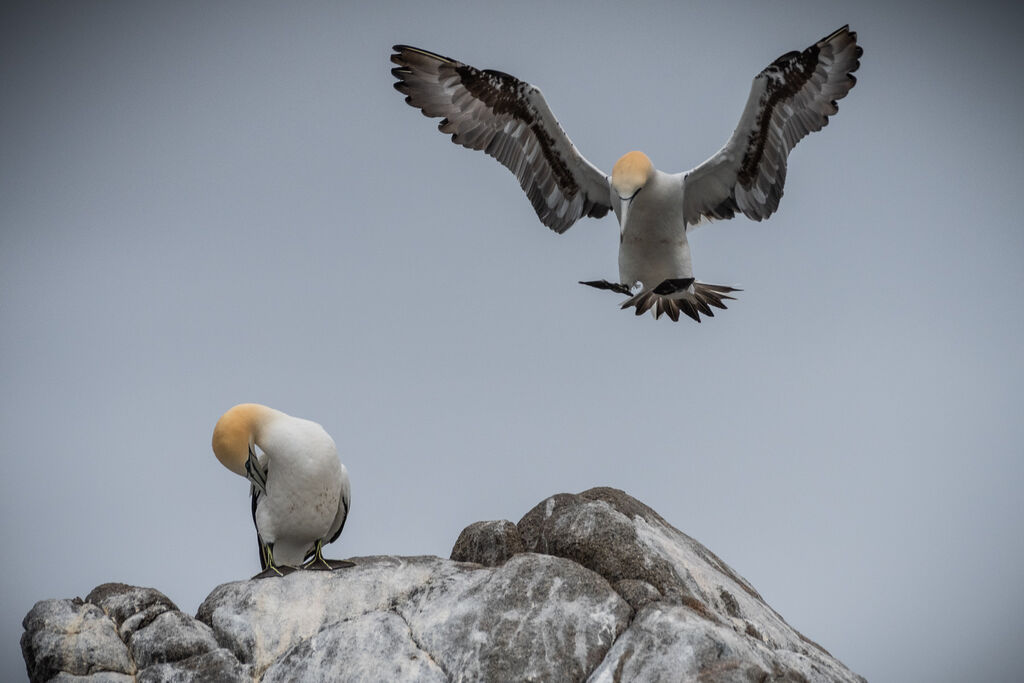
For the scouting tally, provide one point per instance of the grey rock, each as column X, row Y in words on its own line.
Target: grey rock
column 534, row 613
column 636, row 592
column 259, row 621
column 131, row 607
column 533, row 618
column 592, row 586
column 669, row 642
column 374, row 646
column 170, row 637
column 488, row 543
column 611, row 533
column 74, row 637
column 218, row 665
column 101, row 677
column 620, row 538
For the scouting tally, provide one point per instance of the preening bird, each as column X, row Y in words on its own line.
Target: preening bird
column 510, row 121
column 300, row 489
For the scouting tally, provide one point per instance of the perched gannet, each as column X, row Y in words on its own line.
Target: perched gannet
column 300, row 490
column 509, row 120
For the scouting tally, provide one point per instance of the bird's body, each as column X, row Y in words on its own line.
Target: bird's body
column 510, row 120
column 300, row 489
column 653, row 245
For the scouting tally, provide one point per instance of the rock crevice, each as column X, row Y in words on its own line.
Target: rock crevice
column 593, row 586
column 420, row 647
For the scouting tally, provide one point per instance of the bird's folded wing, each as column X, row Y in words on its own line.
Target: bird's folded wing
column 509, row 120
column 344, row 501
column 792, row 97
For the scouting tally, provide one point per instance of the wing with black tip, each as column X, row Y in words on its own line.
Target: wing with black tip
column 792, row 97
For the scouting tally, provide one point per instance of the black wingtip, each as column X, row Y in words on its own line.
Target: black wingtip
column 845, row 28
column 405, row 49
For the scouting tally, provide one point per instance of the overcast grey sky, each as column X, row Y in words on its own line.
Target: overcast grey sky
column 209, row 203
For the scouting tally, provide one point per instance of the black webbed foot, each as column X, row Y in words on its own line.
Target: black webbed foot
column 319, row 563
column 275, row 571
column 613, row 286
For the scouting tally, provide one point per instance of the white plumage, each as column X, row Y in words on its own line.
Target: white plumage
column 509, row 119
column 300, row 489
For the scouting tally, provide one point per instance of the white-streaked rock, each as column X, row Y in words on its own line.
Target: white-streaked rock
column 627, row 542
column 259, row 621
column 98, row 677
column 535, row 612
column 606, row 590
column 536, row 617
column 374, row 646
column 216, row 665
column 669, row 642
column 73, row 637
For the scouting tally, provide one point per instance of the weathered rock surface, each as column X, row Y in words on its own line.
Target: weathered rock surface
column 623, row 540
column 123, row 633
column 594, row 586
column 73, row 637
column 488, row 543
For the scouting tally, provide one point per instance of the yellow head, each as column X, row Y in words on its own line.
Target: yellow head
column 236, row 432
column 631, row 173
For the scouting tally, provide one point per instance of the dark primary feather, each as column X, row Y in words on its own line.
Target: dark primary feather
column 257, row 476
column 792, row 97
column 509, row 120
column 343, row 520
column 255, row 494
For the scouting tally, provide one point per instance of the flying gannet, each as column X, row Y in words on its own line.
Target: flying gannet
column 299, row 487
column 510, row 121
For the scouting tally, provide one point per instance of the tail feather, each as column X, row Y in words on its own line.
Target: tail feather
column 669, row 307
column 698, row 298
column 689, row 309
column 646, row 300
column 703, row 307
column 714, row 300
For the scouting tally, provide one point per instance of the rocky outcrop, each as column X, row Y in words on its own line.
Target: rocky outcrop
column 123, row 633
column 594, row 586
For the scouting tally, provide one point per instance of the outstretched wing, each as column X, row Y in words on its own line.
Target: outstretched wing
column 794, row 96
column 509, row 120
